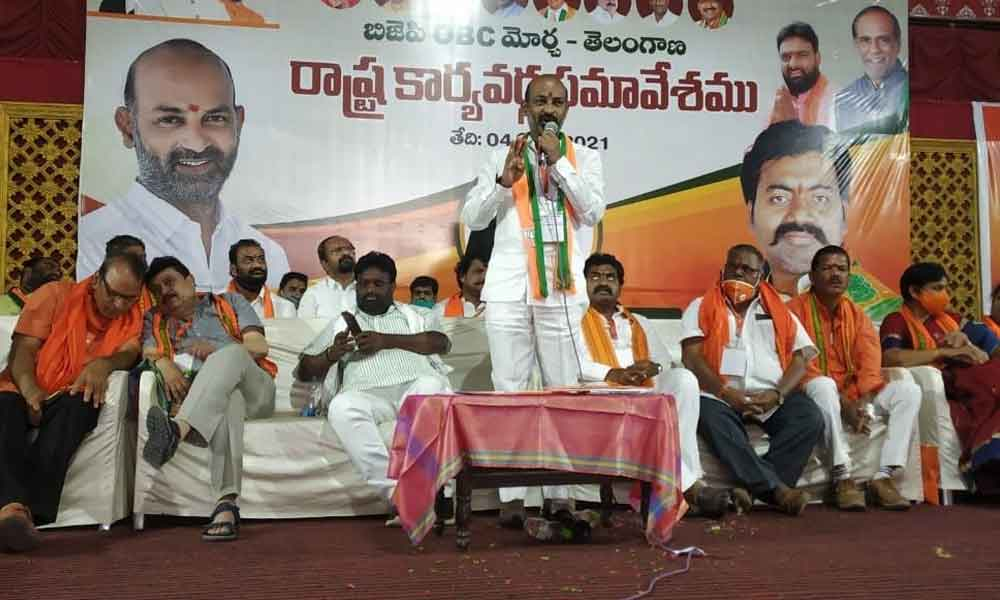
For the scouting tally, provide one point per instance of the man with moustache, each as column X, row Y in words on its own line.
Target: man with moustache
column 367, row 375
column 606, row 12
column 796, row 182
column 846, row 382
column 558, row 11
column 248, row 266
column 181, row 117
column 293, row 285
column 335, row 293
column 806, row 95
column 467, row 302
column 878, row 101
column 661, row 13
column 546, row 194
column 35, row 272
column 713, row 16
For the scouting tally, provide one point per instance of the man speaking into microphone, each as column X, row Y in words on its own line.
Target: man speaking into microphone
column 546, row 195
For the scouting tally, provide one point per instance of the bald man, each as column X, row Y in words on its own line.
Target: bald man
column 335, row 293
column 181, row 117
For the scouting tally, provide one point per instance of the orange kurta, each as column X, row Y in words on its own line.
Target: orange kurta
column 849, row 347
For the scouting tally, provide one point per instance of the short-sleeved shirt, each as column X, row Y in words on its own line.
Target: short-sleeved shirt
column 205, row 325
column 40, row 310
column 386, row 367
column 757, row 338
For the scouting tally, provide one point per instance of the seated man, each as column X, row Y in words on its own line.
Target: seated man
column 248, row 269
column 68, row 340
column 424, row 292
column 129, row 244
column 385, row 353
column 467, row 302
column 623, row 348
column 210, row 354
column 846, row 382
column 749, row 353
column 35, row 272
column 293, row 285
column 924, row 332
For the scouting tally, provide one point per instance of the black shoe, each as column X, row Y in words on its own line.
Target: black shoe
column 164, row 436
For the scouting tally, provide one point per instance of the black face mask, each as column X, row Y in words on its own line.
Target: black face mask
column 252, row 283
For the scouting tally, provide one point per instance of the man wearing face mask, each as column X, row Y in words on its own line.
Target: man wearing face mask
column 925, row 332
column 546, row 195
column 424, row 292
column 335, row 293
column 749, row 353
column 248, row 266
column 846, row 383
column 367, row 373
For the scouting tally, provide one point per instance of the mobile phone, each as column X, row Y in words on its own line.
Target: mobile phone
column 352, row 323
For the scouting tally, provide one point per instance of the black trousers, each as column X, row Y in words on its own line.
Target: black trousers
column 794, row 429
column 33, row 474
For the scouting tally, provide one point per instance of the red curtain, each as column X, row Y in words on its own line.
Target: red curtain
column 954, row 63
column 42, row 28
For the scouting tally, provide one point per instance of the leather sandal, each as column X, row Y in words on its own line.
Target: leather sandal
column 229, row 531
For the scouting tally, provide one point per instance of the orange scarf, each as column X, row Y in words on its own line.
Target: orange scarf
column 64, row 353
column 455, row 306
column 713, row 320
column 239, row 13
column 522, row 200
column 814, row 100
column 268, row 303
column 595, row 334
column 989, row 322
column 919, row 336
column 814, row 327
column 227, row 316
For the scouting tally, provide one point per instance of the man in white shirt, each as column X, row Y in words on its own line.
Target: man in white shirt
column 181, row 117
column 661, row 13
column 335, row 293
column 558, row 11
column 248, row 267
column 505, row 8
column 546, row 196
column 623, row 348
column 749, row 353
column 395, row 355
column 606, row 12
column 467, row 302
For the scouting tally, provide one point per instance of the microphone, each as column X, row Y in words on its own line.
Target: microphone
column 550, row 127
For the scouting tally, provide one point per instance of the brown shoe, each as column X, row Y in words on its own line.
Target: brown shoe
column 790, row 500
column 17, row 531
column 848, row 496
column 884, row 494
column 707, row 502
column 742, row 501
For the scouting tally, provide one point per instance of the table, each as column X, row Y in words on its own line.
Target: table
column 592, row 437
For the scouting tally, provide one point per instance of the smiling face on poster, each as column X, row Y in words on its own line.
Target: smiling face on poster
column 289, row 122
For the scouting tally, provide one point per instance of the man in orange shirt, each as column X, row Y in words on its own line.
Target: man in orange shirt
column 846, row 382
column 806, row 95
column 68, row 340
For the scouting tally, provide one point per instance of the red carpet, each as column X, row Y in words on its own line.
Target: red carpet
column 927, row 553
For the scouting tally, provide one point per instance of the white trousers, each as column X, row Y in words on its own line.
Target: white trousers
column 899, row 401
column 355, row 417
column 683, row 386
column 521, row 336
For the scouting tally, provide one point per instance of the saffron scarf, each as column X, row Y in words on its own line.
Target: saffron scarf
column 268, row 303
column 227, row 317
column 713, row 320
column 64, row 353
column 455, row 306
column 919, row 336
column 526, row 201
column 814, row 327
column 18, row 297
column 598, row 341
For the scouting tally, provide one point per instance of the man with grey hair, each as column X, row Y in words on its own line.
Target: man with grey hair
column 181, row 117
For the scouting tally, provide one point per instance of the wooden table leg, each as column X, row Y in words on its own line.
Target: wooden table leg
column 646, row 490
column 607, row 498
column 463, row 510
column 441, row 511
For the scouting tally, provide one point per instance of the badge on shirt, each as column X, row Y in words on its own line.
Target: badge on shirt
column 734, row 362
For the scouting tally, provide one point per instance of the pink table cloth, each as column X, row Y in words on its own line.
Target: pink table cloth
column 633, row 436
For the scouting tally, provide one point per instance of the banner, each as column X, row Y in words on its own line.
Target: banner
column 369, row 119
column 987, row 120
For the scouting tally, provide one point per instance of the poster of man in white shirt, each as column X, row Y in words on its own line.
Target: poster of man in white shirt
column 607, row 12
column 181, row 117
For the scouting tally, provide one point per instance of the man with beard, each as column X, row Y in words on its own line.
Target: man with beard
column 878, row 101
column 181, row 117
column 393, row 356
column 293, row 285
column 210, row 356
column 546, row 195
column 335, row 293
column 606, row 12
column 796, row 181
column 623, row 348
column 35, row 272
column 248, row 266
column 661, row 13
column 806, row 95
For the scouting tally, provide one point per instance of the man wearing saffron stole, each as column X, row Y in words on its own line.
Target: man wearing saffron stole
column 806, row 96
column 220, row 339
column 924, row 332
column 749, row 353
column 35, row 272
column 467, row 302
column 623, row 348
column 248, row 267
column 546, row 196
column 846, row 382
column 68, row 340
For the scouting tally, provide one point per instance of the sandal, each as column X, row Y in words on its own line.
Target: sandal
column 164, row 436
column 229, row 531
